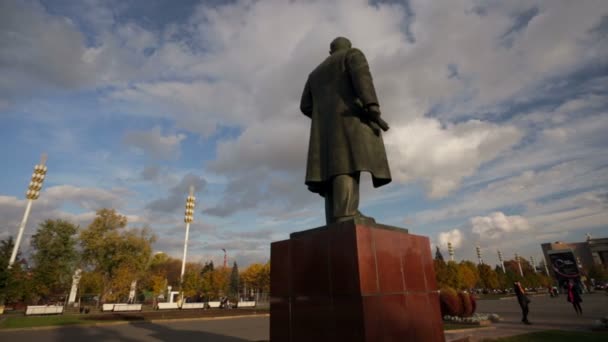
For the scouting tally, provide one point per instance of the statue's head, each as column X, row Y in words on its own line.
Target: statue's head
column 338, row 44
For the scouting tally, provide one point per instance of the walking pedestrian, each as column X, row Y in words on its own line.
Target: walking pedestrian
column 574, row 297
column 523, row 301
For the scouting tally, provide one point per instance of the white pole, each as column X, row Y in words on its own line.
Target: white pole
column 20, row 234
column 185, row 251
column 521, row 272
column 188, row 217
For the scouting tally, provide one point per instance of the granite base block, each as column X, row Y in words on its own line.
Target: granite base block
column 354, row 281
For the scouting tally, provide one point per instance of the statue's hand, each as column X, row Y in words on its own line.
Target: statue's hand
column 374, row 114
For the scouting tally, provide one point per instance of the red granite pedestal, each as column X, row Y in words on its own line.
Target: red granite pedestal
column 354, row 281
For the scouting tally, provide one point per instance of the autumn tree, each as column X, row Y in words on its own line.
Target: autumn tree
column 453, row 277
column 468, row 274
column 440, row 267
column 257, row 278
column 54, row 257
column 488, row 279
column 192, row 285
column 118, row 254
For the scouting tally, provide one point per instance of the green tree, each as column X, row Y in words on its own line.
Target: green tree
column 438, row 255
column 54, row 257
column 14, row 280
column 118, row 254
column 234, row 281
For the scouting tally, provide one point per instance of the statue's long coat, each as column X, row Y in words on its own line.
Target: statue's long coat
column 342, row 141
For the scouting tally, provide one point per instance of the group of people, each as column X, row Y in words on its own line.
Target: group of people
column 573, row 296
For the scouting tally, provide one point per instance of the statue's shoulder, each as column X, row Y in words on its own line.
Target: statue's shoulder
column 355, row 58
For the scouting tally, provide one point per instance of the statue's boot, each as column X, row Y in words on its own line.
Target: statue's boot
column 360, row 216
column 357, row 217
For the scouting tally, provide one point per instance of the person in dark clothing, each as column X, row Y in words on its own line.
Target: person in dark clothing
column 523, row 301
column 574, row 297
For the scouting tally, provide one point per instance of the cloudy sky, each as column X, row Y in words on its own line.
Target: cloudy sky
column 498, row 113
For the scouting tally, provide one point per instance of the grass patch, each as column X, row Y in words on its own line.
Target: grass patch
column 555, row 336
column 38, row 321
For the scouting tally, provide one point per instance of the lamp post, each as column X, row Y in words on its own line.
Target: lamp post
column 479, row 259
column 521, row 272
column 188, row 218
column 502, row 263
column 451, row 251
column 32, row 194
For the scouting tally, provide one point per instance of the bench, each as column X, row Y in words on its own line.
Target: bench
column 43, row 310
column 214, row 305
column 107, row 307
column 126, row 307
column 246, row 304
column 187, row 306
column 167, row 306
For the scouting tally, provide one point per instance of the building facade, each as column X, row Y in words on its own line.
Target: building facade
column 592, row 251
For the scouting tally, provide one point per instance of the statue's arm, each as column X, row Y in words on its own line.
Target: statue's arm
column 306, row 101
column 361, row 78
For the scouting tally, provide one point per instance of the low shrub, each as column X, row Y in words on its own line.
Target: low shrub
column 473, row 303
column 465, row 300
column 451, row 304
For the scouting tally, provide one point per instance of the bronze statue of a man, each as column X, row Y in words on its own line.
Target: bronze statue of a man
column 345, row 137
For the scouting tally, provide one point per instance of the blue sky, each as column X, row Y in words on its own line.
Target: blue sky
column 498, row 115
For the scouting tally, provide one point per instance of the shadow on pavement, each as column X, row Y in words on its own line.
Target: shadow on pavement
column 137, row 331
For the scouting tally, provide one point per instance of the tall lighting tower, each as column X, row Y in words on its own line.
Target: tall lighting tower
column 502, row 262
column 32, row 194
column 188, row 218
column 479, row 259
column 521, row 272
column 451, row 251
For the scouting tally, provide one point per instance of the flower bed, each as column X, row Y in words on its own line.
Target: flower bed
column 476, row 319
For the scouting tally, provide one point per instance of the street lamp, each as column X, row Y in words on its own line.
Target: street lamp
column 188, row 218
column 32, row 194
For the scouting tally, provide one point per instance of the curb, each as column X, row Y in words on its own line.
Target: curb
column 458, row 331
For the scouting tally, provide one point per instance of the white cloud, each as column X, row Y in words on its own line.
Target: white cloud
column 154, row 143
column 40, row 53
column 497, row 225
column 87, row 198
column 454, row 236
column 443, row 156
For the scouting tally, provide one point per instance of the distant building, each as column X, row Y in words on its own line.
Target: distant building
column 592, row 251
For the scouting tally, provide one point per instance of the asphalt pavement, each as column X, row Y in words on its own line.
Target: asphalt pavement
column 545, row 313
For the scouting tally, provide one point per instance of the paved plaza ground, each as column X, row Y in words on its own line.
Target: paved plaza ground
column 546, row 314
